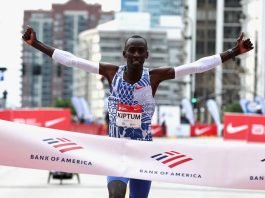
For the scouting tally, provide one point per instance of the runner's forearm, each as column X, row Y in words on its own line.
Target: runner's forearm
column 70, row 60
column 229, row 54
column 199, row 66
column 43, row 48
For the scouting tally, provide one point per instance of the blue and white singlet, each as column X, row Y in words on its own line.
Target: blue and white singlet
column 131, row 107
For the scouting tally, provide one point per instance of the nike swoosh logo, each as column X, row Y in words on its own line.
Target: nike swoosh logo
column 138, row 87
column 53, row 122
column 235, row 129
column 201, row 131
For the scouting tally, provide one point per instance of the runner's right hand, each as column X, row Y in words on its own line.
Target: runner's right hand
column 29, row 36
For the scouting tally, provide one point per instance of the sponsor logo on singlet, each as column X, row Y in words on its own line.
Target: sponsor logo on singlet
column 129, row 115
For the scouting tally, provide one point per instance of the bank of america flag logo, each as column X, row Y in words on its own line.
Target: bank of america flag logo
column 171, row 158
column 62, row 144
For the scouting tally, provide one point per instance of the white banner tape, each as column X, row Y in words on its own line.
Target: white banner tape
column 225, row 165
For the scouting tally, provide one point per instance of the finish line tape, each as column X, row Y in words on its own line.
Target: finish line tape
column 226, row 165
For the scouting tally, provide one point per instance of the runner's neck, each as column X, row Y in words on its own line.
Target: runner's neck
column 132, row 76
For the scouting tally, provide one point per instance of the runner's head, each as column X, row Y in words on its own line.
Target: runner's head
column 135, row 51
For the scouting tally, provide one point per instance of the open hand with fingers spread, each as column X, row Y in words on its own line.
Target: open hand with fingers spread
column 29, row 36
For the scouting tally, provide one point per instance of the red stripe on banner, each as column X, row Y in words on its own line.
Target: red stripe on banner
column 173, row 158
column 61, row 139
column 65, row 144
column 175, row 152
column 70, row 149
column 179, row 162
column 67, row 140
column 169, row 153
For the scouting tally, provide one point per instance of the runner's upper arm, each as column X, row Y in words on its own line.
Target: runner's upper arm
column 162, row 73
column 108, row 71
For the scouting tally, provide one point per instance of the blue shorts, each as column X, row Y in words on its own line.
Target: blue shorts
column 138, row 188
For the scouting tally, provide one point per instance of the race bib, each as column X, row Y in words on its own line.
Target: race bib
column 129, row 115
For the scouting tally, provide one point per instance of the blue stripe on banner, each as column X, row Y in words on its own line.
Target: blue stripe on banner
column 156, row 155
column 48, row 139
column 161, row 157
column 53, row 142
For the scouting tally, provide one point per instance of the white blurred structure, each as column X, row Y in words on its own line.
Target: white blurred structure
column 171, row 116
column 215, row 113
column 81, row 108
column 188, row 110
column 127, row 21
column 253, row 24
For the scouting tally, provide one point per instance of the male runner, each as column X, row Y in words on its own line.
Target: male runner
column 132, row 89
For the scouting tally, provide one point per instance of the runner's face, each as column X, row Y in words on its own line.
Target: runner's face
column 135, row 52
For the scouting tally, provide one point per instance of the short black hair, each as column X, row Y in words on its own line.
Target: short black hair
column 136, row 36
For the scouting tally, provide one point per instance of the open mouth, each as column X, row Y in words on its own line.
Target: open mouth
column 136, row 61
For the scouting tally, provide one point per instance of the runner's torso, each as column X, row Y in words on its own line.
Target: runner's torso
column 131, row 107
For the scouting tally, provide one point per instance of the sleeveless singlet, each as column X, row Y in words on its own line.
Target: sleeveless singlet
column 131, row 107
